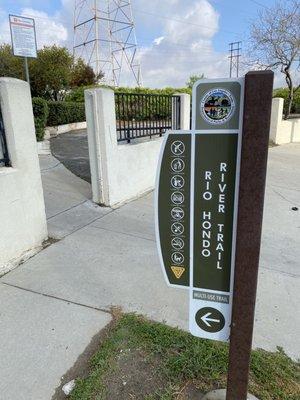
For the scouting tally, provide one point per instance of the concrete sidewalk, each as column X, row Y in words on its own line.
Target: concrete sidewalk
column 108, row 257
column 43, row 335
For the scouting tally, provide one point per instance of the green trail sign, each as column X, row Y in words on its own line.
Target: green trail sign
column 173, row 208
column 196, row 200
column 216, row 142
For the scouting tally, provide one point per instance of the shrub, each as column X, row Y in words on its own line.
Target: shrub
column 61, row 112
column 284, row 93
column 152, row 109
column 40, row 112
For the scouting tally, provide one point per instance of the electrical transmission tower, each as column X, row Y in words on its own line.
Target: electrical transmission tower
column 104, row 36
column 234, row 56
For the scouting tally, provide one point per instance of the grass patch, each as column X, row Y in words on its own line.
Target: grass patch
column 141, row 359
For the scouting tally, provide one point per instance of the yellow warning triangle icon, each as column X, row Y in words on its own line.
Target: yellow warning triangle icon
column 177, row 271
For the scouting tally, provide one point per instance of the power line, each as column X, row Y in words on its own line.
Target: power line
column 259, row 4
column 141, row 43
column 181, row 21
column 219, row 3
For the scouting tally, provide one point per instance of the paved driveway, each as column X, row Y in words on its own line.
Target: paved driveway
column 71, row 149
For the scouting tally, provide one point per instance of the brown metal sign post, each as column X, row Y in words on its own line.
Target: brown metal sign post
column 255, row 141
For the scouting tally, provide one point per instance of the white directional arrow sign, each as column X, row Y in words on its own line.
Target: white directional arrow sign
column 207, row 320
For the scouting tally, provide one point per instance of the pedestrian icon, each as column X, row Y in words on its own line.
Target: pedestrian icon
column 177, row 181
column 177, row 165
column 177, row 213
column 177, row 148
column 210, row 319
column 177, row 198
column 177, row 243
column 177, row 258
column 177, row 228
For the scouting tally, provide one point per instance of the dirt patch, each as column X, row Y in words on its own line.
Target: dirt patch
column 138, row 376
column 135, row 376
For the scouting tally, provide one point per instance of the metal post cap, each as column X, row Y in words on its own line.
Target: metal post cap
column 221, row 395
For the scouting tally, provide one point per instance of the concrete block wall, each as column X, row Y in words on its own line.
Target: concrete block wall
column 22, row 210
column 283, row 131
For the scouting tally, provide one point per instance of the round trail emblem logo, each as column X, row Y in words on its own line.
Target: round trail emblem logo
column 217, row 106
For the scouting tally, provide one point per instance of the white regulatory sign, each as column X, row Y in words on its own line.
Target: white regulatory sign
column 23, row 36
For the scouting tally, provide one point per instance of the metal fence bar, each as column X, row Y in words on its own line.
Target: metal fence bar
column 145, row 115
column 4, row 158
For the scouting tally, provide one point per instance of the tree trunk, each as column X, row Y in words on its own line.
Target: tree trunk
column 291, row 93
column 290, row 102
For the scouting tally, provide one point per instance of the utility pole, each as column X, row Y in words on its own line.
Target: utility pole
column 104, row 36
column 235, row 49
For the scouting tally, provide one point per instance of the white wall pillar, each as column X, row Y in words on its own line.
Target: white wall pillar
column 22, row 209
column 276, row 118
column 120, row 172
column 185, row 111
column 283, row 131
column 102, row 139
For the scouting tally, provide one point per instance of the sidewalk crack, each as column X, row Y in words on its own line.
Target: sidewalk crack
column 57, row 298
column 68, row 209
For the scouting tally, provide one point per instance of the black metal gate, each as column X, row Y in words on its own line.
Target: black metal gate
column 145, row 115
column 4, row 160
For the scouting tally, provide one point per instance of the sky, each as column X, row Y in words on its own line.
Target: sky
column 176, row 38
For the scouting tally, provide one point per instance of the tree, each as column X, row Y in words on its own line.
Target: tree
column 275, row 42
column 193, row 79
column 50, row 72
column 9, row 64
column 83, row 75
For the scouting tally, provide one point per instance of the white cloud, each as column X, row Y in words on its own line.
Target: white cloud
column 158, row 40
column 186, row 49
column 49, row 29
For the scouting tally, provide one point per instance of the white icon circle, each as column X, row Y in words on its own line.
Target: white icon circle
column 177, row 258
column 177, row 165
column 177, row 228
column 177, row 243
column 177, row 213
column 177, row 182
column 177, row 198
column 177, row 147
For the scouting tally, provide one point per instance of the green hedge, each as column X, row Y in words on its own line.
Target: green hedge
column 61, row 112
column 284, row 93
column 152, row 108
column 77, row 94
column 40, row 112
